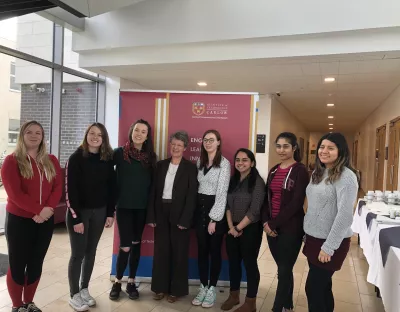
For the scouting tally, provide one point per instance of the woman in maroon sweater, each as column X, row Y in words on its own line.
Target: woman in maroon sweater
column 32, row 180
column 283, row 215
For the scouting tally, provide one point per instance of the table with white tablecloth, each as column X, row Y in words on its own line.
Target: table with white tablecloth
column 385, row 277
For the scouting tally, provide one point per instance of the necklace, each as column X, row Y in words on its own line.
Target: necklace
column 172, row 172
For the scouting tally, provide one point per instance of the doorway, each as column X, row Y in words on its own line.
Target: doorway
column 392, row 178
column 380, row 157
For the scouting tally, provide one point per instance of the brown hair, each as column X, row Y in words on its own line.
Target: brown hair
column 340, row 164
column 106, row 151
column 204, row 154
column 42, row 158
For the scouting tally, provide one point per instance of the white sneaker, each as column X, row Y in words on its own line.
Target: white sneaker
column 87, row 298
column 77, row 303
column 210, row 298
column 200, row 296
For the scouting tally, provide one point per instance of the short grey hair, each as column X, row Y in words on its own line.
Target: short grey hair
column 181, row 136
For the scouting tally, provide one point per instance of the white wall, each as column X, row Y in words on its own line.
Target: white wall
column 158, row 22
column 263, row 127
column 283, row 121
column 366, row 135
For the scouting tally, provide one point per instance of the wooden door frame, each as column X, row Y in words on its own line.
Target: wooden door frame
column 388, row 169
column 377, row 153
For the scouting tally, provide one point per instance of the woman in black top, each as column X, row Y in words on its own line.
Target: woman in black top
column 90, row 181
column 245, row 198
column 170, row 212
column 135, row 162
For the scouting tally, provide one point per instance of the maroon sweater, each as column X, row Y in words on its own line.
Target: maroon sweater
column 291, row 214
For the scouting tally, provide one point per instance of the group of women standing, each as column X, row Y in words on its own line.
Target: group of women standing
column 173, row 196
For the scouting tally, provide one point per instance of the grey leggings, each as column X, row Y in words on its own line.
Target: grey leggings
column 83, row 247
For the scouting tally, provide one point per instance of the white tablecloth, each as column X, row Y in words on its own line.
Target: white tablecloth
column 387, row 278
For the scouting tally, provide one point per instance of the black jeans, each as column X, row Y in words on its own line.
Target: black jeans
column 245, row 248
column 319, row 289
column 84, row 246
column 131, row 224
column 285, row 249
column 209, row 246
column 28, row 243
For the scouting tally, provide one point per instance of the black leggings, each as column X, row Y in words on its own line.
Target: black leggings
column 131, row 224
column 319, row 289
column 28, row 243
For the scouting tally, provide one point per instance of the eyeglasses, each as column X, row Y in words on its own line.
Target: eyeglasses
column 211, row 141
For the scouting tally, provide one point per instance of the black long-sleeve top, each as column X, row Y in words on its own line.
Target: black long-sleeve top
column 90, row 184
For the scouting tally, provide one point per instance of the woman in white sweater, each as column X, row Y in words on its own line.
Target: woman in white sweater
column 331, row 196
column 210, row 222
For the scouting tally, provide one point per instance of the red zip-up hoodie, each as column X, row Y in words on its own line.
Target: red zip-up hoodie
column 27, row 197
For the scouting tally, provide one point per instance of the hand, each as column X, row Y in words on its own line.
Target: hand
column 268, row 230
column 46, row 213
column 211, row 228
column 38, row 219
column 79, row 228
column 324, row 257
column 234, row 233
column 153, row 225
column 181, row 227
column 109, row 222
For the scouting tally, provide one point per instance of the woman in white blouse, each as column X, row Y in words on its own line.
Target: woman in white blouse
column 210, row 222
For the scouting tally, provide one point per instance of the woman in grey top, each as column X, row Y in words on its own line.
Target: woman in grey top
column 245, row 198
column 331, row 195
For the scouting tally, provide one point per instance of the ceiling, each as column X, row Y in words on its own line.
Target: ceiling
column 14, row 8
column 363, row 82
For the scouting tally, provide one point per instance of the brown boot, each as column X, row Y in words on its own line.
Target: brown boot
column 232, row 300
column 249, row 305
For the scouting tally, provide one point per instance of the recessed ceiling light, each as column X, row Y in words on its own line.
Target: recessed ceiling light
column 202, row 84
column 330, row 79
column 330, row 128
column 330, row 104
column 330, row 117
column 330, row 124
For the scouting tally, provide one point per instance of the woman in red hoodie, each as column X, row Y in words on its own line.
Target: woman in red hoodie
column 32, row 180
column 283, row 215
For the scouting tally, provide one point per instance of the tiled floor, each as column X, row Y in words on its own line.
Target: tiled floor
column 352, row 292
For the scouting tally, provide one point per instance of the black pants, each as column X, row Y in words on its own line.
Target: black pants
column 171, row 257
column 245, row 248
column 285, row 249
column 28, row 243
column 83, row 247
column 319, row 289
column 131, row 224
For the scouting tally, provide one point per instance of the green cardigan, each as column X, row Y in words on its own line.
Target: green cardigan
column 133, row 182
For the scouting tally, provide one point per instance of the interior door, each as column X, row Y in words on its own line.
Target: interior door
column 355, row 154
column 380, row 157
column 392, row 178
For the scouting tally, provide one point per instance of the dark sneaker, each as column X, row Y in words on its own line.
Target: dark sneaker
column 115, row 291
column 132, row 291
column 31, row 307
column 20, row 309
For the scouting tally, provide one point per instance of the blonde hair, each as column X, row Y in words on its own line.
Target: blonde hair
column 42, row 159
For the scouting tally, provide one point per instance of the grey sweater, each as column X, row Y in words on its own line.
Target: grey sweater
column 330, row 210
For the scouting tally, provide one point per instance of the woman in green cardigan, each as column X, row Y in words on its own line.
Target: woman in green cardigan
column 135, row 162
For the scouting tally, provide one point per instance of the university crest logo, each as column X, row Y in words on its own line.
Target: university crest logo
column 198, row 108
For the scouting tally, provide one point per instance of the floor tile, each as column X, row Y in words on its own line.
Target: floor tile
column 371, row 304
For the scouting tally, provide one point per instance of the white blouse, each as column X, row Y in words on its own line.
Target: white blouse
column 169, row 181
column 216, row 182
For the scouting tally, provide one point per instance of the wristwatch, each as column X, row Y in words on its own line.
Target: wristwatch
column 236, row 229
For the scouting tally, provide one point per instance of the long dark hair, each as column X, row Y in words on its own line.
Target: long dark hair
column 253, row 175
column 340, row 164
column 204, row 154
column 105, row 149
column 148, row 146
column 292, row 139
